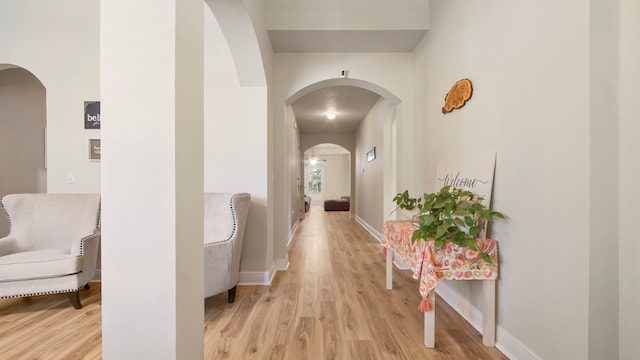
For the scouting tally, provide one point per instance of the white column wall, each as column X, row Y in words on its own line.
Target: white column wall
column 152, row 183
column 629, row 198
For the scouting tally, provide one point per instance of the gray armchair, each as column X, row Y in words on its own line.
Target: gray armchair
column 225, row 217
column 52, row 246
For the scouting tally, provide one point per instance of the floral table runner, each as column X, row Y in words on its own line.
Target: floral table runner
column 429, row 265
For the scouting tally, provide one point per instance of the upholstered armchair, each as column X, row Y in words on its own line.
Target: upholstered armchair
column 52, row 246
column 225, row 217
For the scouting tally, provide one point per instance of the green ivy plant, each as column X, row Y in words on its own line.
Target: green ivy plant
column 455, row 216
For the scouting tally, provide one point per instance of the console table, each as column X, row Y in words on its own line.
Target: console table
column 451, row 262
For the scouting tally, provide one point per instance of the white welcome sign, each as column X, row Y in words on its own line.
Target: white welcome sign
column 473, row 173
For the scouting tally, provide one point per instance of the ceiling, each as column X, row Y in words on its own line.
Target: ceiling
column 350, row 104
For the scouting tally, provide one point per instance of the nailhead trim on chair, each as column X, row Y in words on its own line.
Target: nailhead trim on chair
column 6, row 213
column 39, row 293
column 235, row 228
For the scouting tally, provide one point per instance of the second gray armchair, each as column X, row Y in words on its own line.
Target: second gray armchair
column 225, row 217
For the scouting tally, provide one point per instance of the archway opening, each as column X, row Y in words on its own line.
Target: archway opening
column 22, row 134
column 327, row 173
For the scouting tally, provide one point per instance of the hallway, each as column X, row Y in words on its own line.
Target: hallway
column 332, row 304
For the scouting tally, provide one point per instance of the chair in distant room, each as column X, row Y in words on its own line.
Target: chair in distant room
column 52, row 246
column 225, row 218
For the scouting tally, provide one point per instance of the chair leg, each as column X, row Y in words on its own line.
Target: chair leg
column 87, row 286
column 74, row 298
column 232, row 295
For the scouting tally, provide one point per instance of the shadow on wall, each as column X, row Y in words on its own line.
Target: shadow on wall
column 22, row 125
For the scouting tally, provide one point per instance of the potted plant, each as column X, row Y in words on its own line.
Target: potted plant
column 450, row 215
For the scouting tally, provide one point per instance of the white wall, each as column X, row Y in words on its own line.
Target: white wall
column 59, row 44
column 629, row 133
column 531, row 105
column 236, row 141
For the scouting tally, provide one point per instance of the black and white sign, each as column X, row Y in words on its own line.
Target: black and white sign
column 92, row 114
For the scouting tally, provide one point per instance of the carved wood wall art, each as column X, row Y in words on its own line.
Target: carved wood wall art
column 459, row 94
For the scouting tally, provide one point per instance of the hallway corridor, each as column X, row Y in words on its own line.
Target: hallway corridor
column 332, row 304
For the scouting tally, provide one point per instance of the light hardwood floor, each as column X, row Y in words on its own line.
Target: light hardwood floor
column 330, row 304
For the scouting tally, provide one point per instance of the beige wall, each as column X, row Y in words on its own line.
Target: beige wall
column 532, row 105
column 347, row 15
column 22, row 122
column 370, row 175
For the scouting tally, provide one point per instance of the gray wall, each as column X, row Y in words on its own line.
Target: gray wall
column 22, row 122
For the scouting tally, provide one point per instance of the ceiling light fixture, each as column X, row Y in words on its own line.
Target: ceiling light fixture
column 331, row 116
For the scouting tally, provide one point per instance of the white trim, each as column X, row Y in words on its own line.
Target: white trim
column 375, row 233
column 509, row 345
column 397, row 261
column 282, row 264
column 256, row 278
column 292, row 232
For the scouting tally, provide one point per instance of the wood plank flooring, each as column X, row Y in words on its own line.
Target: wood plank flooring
column 330, row 304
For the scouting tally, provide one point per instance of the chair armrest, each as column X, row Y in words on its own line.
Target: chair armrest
column 87, row 247
column 8, row 245
column 79, row 247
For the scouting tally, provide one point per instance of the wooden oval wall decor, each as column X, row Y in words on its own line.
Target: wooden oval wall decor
column 459, row 94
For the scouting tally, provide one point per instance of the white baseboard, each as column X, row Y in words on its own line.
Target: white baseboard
column 375, row 233
column 282, row 264
column 293, row 231
column 510, row 346
column 256, row 278
column 399, row 263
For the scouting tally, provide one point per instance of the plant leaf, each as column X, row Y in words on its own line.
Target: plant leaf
column 468, row 220
column 486, row 257
column 474, row 230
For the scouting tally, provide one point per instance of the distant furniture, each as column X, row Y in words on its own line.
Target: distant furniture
column 52, row 246
column 341, row 204
column 307, row 203
column 225, row 217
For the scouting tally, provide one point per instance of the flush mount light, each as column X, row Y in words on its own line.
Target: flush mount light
column 331, row 116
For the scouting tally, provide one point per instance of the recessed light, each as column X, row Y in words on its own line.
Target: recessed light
column 331, row 116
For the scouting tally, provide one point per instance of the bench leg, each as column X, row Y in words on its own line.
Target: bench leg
column 430, row 322
column 389, row 269
column 489, row 313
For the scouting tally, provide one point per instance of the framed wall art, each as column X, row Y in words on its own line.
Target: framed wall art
column 94, row 149
column 371, row 154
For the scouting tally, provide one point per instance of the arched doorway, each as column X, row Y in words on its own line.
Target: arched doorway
column 371, row 181
column 22, row 134
column 327, row 172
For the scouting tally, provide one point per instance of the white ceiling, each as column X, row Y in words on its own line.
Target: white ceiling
column 350, row 104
